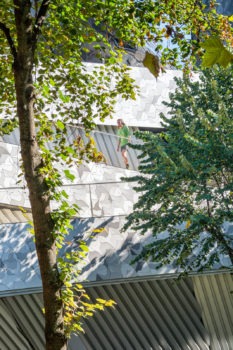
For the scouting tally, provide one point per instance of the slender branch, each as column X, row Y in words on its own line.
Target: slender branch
column 221, row 193
column 6, row 31
column 36, row 8
column 39, row 21
column 224, row 177
column 208, row 208
column 221, row 239
column 207, row 201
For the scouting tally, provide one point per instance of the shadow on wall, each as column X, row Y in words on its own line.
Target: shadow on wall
column 19, row 267
column 111, row 251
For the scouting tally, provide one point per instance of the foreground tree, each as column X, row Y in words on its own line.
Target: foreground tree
column 186, row 180
column 41, row 45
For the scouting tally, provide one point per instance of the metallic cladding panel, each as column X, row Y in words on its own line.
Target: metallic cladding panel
column 13, row 215
column 161, row 314
column 214, row 294
column 27, row 311
column 146, row 108
column 149, row 315
column 109, row 257
column 20, row 326
column 106, row 140
column 12, row 138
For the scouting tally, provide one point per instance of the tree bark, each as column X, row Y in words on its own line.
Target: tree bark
column 38, row 191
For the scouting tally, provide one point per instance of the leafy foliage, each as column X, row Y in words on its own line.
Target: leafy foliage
column 45, row 86
column 77, row 303
column 218, row 46
column 186, row 180
column 52, row 46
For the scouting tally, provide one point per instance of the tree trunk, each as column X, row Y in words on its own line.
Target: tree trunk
column 32, row 162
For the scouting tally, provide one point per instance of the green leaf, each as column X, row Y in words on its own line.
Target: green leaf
column 69, row 175
column 215, row 52
column 84, row 247
column 64, row 98
column 60, row 125
column 151, row 62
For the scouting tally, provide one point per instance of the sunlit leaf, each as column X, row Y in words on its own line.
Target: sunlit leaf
column 151, row 62
column 215, row 52
column 69, row 175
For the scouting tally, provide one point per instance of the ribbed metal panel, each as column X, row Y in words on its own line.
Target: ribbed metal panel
column 149, row 315
column 106, row 140
column 13, row 215
column 158, row 315
column 21, row 326
column 214, row 294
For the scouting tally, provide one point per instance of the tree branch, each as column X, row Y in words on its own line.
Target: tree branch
column 39, row 21
column 221, row 192
column 6, row 31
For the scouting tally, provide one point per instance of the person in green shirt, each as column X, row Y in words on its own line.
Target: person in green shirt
column 124, row 135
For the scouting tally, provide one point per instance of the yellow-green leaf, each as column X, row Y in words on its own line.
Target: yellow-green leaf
column 152, row 63
column 215, row 52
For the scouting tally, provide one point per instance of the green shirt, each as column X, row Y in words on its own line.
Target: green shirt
column 123, row 134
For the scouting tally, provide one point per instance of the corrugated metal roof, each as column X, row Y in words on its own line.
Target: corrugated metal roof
column 215, row 294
